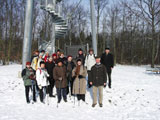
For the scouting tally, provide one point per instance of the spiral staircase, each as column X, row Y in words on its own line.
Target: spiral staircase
column 54, row 8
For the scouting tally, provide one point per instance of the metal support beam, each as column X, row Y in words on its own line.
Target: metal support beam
column 27, row 41
column 93, row 25
column 53, row 38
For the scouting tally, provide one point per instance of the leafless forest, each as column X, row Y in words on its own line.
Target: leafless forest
column 131, row 28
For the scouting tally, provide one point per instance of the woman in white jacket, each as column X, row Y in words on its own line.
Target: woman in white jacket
column 41, row 77
column 90, row 61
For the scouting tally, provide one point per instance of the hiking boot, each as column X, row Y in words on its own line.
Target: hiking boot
column 52, row 96
column 93, row 105
column 59, row 101
column 100, row 105
column 65, row 100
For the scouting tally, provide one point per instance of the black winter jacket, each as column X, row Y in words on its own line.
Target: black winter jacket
column 98, row 75
column 50, row 66
column 107, row 60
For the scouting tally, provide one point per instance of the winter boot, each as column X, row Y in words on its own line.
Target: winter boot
column 100, row 105
column 93, row 105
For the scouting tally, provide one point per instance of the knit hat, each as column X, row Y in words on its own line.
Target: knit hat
column 79, row 60
column 80, row 49
column 58, row 61
column 42, row 62
column 28, row 63
column 54, row 54
column 107, row 48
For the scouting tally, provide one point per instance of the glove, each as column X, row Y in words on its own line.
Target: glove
column 32, row 77
column 89, row 85
column 80, row 76
column 40, row 87
column 60, row 78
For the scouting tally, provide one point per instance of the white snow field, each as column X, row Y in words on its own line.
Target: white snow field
column 135, row 95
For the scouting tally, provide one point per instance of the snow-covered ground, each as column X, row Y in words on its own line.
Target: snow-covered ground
column 135, row 95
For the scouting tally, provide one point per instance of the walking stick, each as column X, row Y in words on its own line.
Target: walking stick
column 74, row 96
column 59, row 90
column 47, row 90
column 79, row 93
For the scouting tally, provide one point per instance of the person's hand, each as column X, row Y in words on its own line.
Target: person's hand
column 90, row 83
column 40, row 87
column 104, row 84
column 60, row 78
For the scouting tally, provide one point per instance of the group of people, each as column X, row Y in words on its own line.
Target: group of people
column 68, row 75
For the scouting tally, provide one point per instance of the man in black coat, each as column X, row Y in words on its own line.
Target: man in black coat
column 81, row 56
column 70, row 66
column 98, row 81
column 50, row 66
column 108, row 61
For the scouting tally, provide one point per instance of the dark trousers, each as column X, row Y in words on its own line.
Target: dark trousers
column 61, row 92
column 109, row 78
column 41, row 93
column 70, row 87
column 81, row 97
column 27, row 89
column 50, row 87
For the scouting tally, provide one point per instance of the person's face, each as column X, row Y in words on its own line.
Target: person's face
column 37, row 53
column 79, row 63
column 62, row 55
column 91, row 52
column 58, row 52
column 28, row 66
column 98, row 60
column 69, row 59
column 80, row 52
column 107, row 51
column 42, row 65
column 60, row 64
column 50, row 59
column 54, row 57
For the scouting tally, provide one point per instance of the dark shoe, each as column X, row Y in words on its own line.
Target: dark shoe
column 93, row 105
column 109, row 87
column 65, row 100
column 28, row 102
column 52, row 96
column 100, row 105
column 59, row 101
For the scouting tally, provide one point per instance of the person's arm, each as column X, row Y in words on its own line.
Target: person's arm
column 38, row 77
column 112, row 61
column 104, row 75
column 102, row 59
column 91, row 80
column 55, row 74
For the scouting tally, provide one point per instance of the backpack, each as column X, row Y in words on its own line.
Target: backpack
column 23, row 72
column 88, row 56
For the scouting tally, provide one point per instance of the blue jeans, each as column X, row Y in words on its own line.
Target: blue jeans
column 60, row 92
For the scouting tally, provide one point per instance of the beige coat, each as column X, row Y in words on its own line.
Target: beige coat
column 79, row 85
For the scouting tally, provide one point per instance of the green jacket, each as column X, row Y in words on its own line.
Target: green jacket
column 25, row 75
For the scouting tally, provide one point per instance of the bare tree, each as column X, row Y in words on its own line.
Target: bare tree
column 149, row 11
